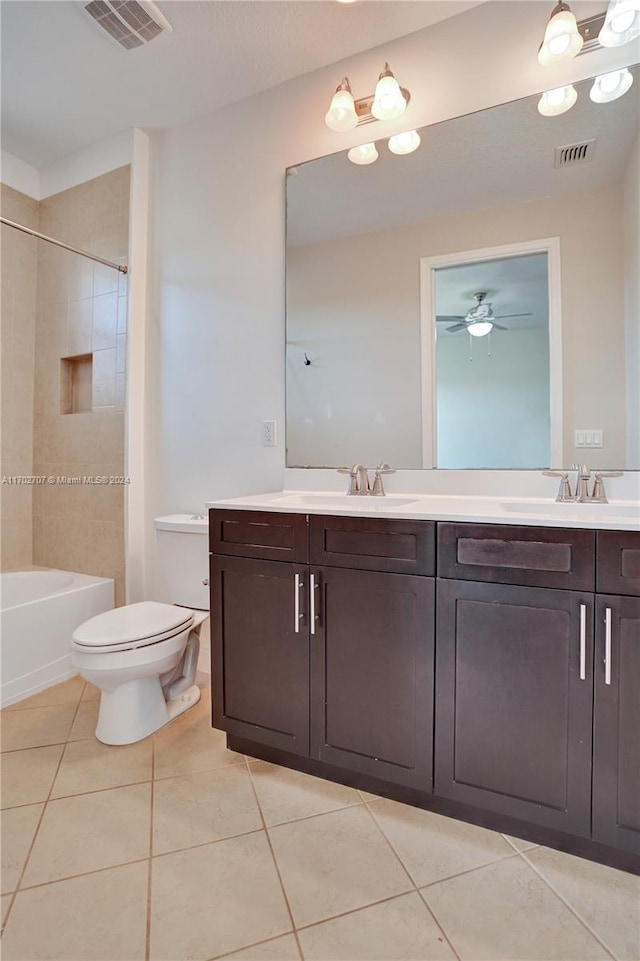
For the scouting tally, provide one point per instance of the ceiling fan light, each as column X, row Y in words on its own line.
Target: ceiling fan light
column 554, row 102
column 389, row 101
column 562, row 39
column 341, row 115
column 480, row 328
column 610, row 86
column 404, row 143
column 363, row 155
column 622, row 23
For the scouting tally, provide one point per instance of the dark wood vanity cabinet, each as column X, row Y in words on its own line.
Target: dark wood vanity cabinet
column 505, row 691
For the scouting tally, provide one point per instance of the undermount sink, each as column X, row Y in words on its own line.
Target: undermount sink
column 572, row 509
column 344, row 501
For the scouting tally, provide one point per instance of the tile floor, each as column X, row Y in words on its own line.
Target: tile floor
column 176, row 848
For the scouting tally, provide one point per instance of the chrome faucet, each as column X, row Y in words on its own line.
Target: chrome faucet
column 582, row 495
column 358, row 479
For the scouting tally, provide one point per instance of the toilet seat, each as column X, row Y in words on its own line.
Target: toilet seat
column 132, row 627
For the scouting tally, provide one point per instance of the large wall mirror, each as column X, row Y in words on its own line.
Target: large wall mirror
column 475, row 304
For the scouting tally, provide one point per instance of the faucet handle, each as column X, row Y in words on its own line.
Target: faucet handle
column 599, row 496
column 378, row 487
column 353, row 474
column 564, row 490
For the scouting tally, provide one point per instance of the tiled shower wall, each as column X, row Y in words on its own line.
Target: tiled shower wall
column 80, row 311
column 18, row 326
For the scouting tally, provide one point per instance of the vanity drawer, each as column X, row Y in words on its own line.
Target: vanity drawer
column 527, row 556
column 262, row 534
column 618, row 563
column 373, row 544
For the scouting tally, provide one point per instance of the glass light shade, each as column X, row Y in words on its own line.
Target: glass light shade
column 554, row 102
column 404, row 143
column 610, row 86
column 562, row 40
column 341, row 115
column 480, row 328
column 389, row 101
column 622, row 23
column 365, row 154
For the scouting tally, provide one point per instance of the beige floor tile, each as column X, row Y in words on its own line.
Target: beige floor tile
column 91, row 766
column 433, row 847
column 5, row 901
column 286, row 795
column 36, row 727
column 215, row 899
column 503, row 912
column 519, row 844
column 68, row 692
column 335, row 863
column 606, row 899
column 17, row 831
column 402, row 929
column 85, row 721
column 206, row 806
column 190, row 744
column 99, row 917
column 27, row 776
column 91, row 692
column 368, row 797
column 279, row 949
column 91, row 832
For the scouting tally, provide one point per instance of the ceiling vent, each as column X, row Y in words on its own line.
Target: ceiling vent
column 575, row 153
column 131, row 23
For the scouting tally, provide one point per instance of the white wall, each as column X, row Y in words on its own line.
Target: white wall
column 631, row 208
column 219, row 265
column 493, row 410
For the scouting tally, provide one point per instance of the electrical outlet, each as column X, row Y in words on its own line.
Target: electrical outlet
column 587, row 437
column 269, row 433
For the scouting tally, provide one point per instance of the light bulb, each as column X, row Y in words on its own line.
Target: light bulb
column 562, row 39
column 365, row 154
column 404, row 143
column 480, row 328
column 341, row 115
column 621, row 24
column 610, row 86
column 554, row 102
column 389, row 101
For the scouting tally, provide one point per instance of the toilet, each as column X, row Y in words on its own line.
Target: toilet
column 143, row 656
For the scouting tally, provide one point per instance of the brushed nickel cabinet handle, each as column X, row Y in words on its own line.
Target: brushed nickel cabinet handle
column 583, row 642
column 312, row 608
column 607, row 645
column 297, row 616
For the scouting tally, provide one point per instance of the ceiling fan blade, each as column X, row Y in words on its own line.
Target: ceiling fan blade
column 447, row 318
column 499, row 326
column 509, row 316
column 457, row 327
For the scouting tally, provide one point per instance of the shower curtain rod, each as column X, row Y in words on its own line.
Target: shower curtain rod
column 59, row 243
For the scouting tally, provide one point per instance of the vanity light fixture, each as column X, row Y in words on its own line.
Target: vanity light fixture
column 404, row 143
column 554, row 102
column 621, row 24
column 365, row 154
column 610, row 86
column 341, row 115
column 562, row 39
column 389, row 101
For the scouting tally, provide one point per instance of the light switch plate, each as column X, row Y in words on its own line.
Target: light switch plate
column 587, row 437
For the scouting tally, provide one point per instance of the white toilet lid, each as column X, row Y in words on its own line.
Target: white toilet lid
column 147, row 621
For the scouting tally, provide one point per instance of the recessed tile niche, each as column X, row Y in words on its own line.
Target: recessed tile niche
column 76, row 379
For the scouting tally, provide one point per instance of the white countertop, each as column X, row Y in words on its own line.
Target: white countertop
column 532, row 511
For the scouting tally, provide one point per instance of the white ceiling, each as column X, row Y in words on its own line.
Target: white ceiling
column 510, row 150
column 66, row 85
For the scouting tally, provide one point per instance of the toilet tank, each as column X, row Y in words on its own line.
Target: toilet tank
column 183, row 549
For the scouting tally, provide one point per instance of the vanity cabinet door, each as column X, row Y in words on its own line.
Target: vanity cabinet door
column 260, row 651
column 514, row 683
column 616, row 729
column 372, row 674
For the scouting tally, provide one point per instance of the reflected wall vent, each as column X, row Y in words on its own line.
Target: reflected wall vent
column 575, row 153
column 131, row 23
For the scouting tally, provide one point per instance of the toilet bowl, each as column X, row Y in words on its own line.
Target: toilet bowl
column 143, row 657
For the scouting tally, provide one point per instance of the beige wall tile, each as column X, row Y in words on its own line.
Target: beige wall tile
column 104, row 378
column 79, row 327
column 105, row 321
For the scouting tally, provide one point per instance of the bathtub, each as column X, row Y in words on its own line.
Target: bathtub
column 40, row 611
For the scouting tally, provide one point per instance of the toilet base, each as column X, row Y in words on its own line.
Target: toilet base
column 136, row 709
